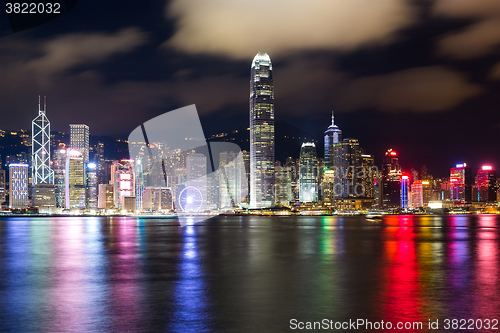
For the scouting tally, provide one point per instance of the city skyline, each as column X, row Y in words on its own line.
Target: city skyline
column 418, row 85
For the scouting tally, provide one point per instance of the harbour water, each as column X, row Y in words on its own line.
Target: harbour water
column 246, row 274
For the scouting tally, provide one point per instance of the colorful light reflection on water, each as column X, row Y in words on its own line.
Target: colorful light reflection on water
column 244, row 274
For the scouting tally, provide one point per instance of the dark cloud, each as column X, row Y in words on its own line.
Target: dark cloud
column 474, row 41
column 495, row 72
column 467, row 8
column 477, row 39
column 69, row 50
column 424, row 89
column 239, row 29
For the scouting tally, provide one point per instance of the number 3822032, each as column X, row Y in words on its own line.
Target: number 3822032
column 33, row 8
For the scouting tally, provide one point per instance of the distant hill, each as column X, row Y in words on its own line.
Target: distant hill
column 288, row 140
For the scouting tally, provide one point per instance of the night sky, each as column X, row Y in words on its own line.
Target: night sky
column 421, row 77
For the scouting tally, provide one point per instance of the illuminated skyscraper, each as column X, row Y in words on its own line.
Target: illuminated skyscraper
column 91, row 186
column 3, row 190
column 106, row 197
column 391, row 180
column 230, row 186
column 75, row 180
column 283, row 185
column 139, row 183
column 40, row 148
column 18, row 185
column 196, row 175
column 59, row 167
column 405, row 182
column 123, row 181
column 333, row 135
column 79, row 139
column 261, row 132
column 308, row 173
column 486, row 184
column 346, row 163
column 461, row 183
column 417, row 194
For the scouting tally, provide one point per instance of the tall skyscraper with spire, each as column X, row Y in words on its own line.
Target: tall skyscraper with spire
column 261, row 132
column 333, row 135
column 40, row 147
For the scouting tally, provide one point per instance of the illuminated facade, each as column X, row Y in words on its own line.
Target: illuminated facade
column 79, row 139
column 461, row 183
column 390, row 189
column 40, row 148
column 486, row 182
column 328, row 190
column 44, row 197
column 230, row 182
column 366, row 176
column 333, row 136
column 59, row 168
column 157, row 199
column 139, row 183
column 106, row 198
column 346, row 163
column 283, row 185
column 91, row 186
column 417, row 195
column 308, row 173
column 3, row 190
column 123, row 181
column 18, row 185
column 196, row 174
column 75, row 180
column 405, row 182
column 261, row 132
column 420, row 193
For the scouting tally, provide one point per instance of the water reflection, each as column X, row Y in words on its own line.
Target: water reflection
column 403, row 298
column 125, row 276
column 243, row 274
column 190, row 309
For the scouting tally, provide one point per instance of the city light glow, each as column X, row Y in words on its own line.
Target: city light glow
column 487, row 167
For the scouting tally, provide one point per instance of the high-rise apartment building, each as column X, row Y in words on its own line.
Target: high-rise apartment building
column 44, row 197
column 308, row 173
column 486, row 182
column 123, row 181
column 79, row 140
column 196, row 175
column 18, row 185
column 333, row 136
column 391, row 180
column 461, row 182
column 3, row 187
column 91, row 186
column 75, row 180
column 261, row 132
column 139, row 183
column 106, row 198
column 40, row 148
column 405, row 186
column 346, row 163
column 283, row 185
column 59, row 168
column 230, row 180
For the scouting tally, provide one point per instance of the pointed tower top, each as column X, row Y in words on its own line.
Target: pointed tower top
column 333, row 123
column 44, row 103
column 39, row 110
